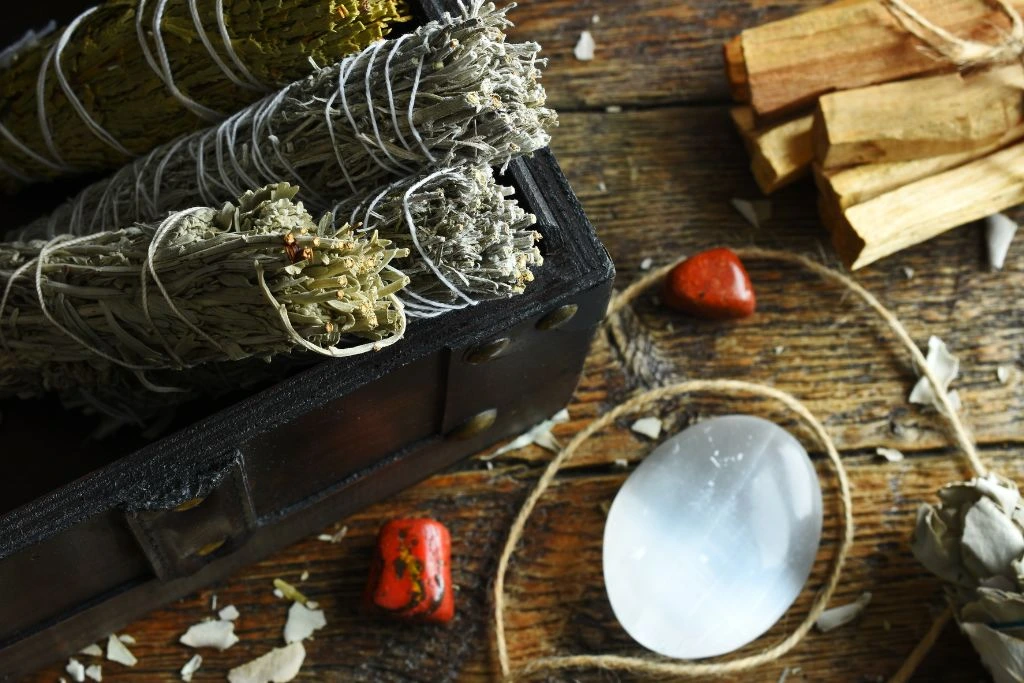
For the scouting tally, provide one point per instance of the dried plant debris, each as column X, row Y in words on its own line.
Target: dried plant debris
column 974, row 541
column 305, row 573
column 648, row 426
column 755, row 211
column 336, row 537
column 229, row 613
column 646, row 263
column 889, row 454
column 302, row 622
column 191, row 667
column 540, row 435
column 93, row 650
column 95, row 317
column 119, row 652
column 945, row 366
column 585, row 45
column 95, row 672
column 219, row 634
column 908, row 272
column 999, row 232
column 451, row 93
column 280, row 665
column 1003, row 374
column 126, row 639
column 835, row 617
column 292, row 593
column 76, row 670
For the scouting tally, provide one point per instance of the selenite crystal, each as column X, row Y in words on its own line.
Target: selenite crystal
column 712, row 538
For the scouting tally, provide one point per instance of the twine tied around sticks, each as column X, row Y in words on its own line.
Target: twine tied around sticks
column 962, row 53
column 663, row 667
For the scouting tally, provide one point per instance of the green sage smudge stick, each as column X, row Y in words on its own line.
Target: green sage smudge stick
column 450, row 93
column 204, row 285
column 130, row 74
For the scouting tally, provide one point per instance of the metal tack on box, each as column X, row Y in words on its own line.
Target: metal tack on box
column 95, row 533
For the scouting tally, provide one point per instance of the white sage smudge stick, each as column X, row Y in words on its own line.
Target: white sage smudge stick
column 204, row 285
column 452, row 92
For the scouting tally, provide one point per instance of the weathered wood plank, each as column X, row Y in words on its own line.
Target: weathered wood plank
column 651, row 52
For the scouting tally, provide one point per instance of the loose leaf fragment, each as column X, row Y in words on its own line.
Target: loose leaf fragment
column 219, row 634
column 117, row 652
column 838, row 616
column 93, row 650
column 999, row 232
column 191, row 666
column 302, row 622
column 648, row 426
column 890, row 454
column 584, row 50
column 229, row 613
column 754, row 211
column 75, row 670
column 95, row 672
column 945, row 366
column 280, row 665
column 540, row 434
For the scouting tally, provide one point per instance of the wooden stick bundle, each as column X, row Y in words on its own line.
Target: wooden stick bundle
column 903, row 146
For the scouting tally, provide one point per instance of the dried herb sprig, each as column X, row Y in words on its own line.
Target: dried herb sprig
column 220, row 56
column 450, row 93
column 467, row 240
column 245, row 281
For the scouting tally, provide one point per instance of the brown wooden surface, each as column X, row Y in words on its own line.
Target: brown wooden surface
column 656, row 179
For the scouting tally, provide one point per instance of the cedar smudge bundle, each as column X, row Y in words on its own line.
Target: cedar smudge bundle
column 899, row 154
column 128, row 75
column 205, row 285
column 450, row 93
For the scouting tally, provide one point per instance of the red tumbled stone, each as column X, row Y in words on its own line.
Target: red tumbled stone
column 411, row 576
column 711, row 284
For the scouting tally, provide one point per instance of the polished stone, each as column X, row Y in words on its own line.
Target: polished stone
column 713, row 537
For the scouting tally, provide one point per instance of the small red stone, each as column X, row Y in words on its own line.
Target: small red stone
column 711, row 284
column 411, row 576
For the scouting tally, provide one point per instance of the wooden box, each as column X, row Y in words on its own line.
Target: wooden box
column 93, row 534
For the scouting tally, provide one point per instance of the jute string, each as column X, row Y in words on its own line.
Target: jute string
column 649, row 399
column 961, row 52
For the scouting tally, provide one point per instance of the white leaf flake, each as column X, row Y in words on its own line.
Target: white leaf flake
column 622, row 462
column 336, row 537
column 219, row 634
column 999, row 232
column 1003, row 374
column 646, row 263
column 302, row 621
column 584, row 50
column 784, row 675
column 838, row 616
column 126, row 639
column 890, row 454
column 1003, row 655
column 945, row 366
column 280, row 665
column 229, row 613
column 191, row 666
column 753, row 210
column 278, row 593
column 117, row 652
column 908, row 272
column 95, row 672
column 539, row 434
column 213, row 602
column 648, row 426
column 779, row 350
column 75, row 670
column 596, row 19
column 93, row 650
column 305, row 575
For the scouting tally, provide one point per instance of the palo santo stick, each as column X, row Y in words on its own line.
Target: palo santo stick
column 857, row 184
column 921, row 210
column 918, row 118
column 779, row 153
column 791, row 62
column 736, row 69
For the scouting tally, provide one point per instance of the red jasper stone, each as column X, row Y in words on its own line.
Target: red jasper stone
column 711, row 284
column 411, row 576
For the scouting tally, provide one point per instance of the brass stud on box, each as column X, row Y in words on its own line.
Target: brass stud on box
column 475, row 425
column 557, row 317
column 487, row 351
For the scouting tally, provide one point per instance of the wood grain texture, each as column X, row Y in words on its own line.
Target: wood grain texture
column 656, row 180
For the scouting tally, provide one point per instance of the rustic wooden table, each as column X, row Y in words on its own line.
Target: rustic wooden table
column 645, row 139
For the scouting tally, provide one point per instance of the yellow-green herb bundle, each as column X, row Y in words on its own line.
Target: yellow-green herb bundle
column 205, row 285
column 128, row 75
column 451, row 93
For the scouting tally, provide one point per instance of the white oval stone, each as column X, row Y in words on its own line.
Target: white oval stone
column 712, row 538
